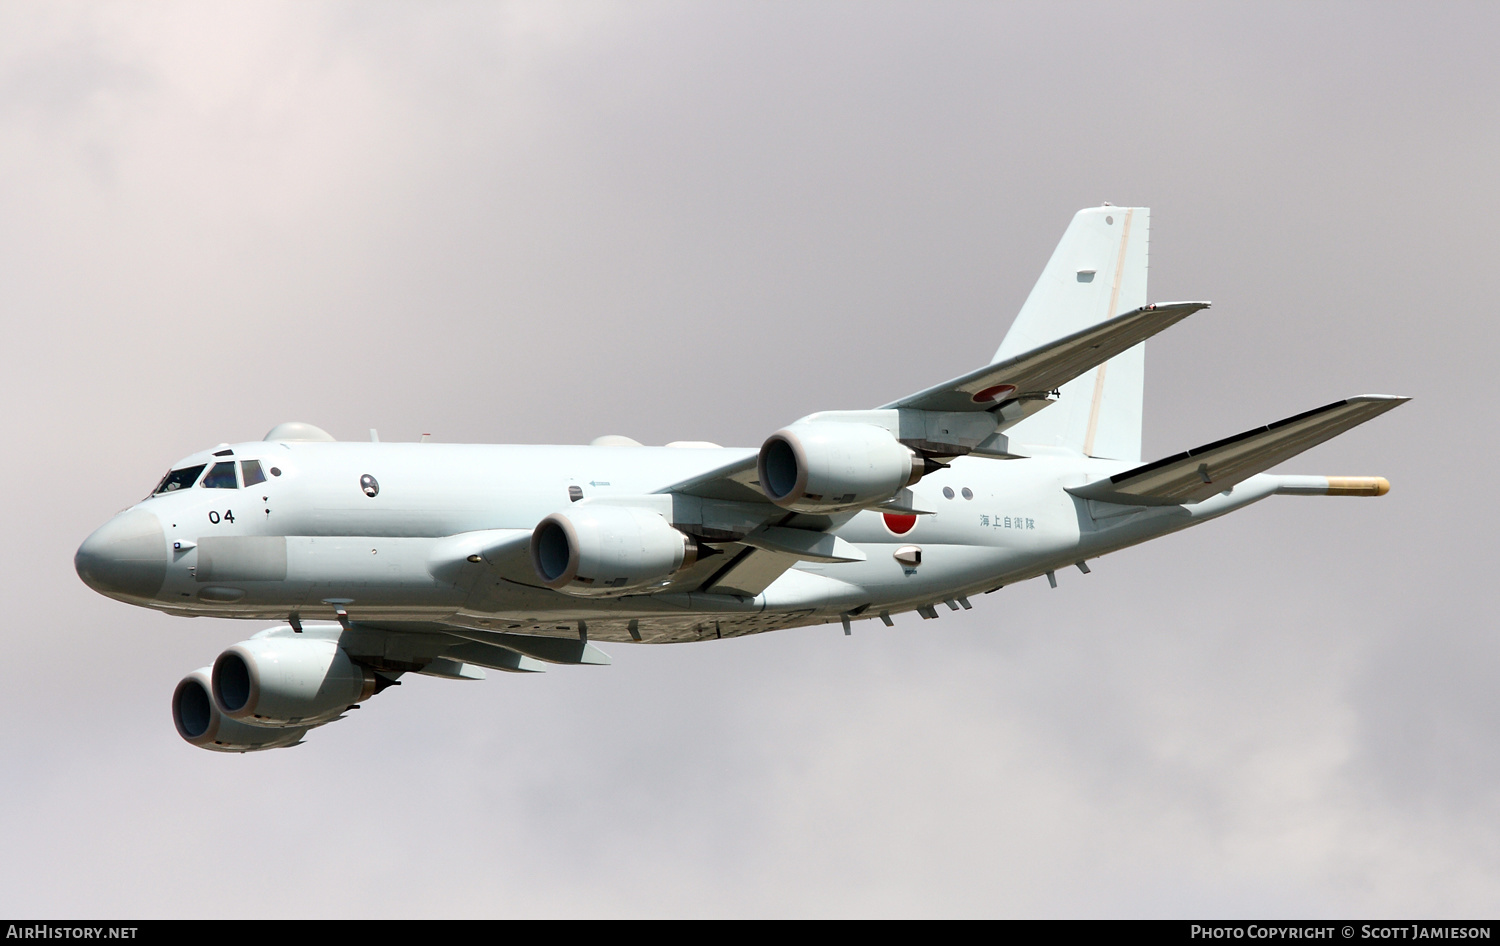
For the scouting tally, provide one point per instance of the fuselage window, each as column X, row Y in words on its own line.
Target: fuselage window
column 250, row 469
column 221, row 477
column 179, row 479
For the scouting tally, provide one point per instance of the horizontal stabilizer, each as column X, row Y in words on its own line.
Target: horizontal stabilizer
column 1052, row 365
column 1197, row 474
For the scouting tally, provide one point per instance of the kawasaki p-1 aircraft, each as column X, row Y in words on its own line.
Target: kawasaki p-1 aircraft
column 380, row 559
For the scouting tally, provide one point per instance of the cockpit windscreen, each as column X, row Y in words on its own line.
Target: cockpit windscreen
column 251, row 471
column 178, row 479
column 221, row 477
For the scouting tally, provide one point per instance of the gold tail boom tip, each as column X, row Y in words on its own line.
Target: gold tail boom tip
column 1358, row 486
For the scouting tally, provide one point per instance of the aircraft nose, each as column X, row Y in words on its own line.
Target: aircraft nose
column 125, row 556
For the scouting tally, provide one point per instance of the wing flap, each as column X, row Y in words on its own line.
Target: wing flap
column 806, row 544
column 1052, row 365
column 750, row 572
column 552, row 650
column 495, row 658
column 1197, row 474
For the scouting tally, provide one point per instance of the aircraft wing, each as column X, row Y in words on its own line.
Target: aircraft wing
column 734, row 481
column 1197, row 474
column 451, row 645
column 1043, row 369
column 775, row 539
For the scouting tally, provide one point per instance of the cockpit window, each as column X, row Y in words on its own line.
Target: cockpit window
column 178, row 479
column 221, row 477
column 251, row 472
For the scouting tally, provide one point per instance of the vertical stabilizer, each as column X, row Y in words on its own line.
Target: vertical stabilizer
column 1098, row 271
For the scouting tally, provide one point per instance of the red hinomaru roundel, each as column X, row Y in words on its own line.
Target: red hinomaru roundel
column 900, row 525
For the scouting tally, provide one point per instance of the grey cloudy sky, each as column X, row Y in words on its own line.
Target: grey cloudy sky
column 545, row 222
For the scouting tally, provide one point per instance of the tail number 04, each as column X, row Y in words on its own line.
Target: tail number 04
column 214, row 517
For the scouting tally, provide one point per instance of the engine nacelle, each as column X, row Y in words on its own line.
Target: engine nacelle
column 598, row 550
column 284, row 682
column 199, row 721
column 829, row 466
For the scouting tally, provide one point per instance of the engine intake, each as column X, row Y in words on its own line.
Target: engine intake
column 825, row 467
column 284, row 682
column 199, row 721
column 609, row 550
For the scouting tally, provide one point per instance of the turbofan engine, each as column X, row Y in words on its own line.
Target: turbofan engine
column 830, row 466
column 285, row 682
column 609, row 550
column 199, row 721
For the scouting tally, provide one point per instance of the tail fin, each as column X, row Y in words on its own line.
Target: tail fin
column 1096, row 272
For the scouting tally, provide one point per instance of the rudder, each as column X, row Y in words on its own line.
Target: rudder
column 1097, row 272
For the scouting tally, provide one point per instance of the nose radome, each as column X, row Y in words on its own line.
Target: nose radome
column 125, row 556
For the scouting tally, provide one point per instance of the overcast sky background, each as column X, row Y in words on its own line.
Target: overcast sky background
column 545, row 222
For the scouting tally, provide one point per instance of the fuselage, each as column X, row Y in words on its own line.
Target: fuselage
column 296, row 529
column 382, row 559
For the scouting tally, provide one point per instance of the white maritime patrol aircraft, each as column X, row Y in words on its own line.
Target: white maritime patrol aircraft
column 381, row 559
